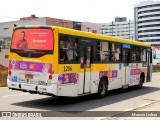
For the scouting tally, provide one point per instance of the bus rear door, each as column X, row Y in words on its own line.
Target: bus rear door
column 85, row 68
column 126, row 68
column 149, row 65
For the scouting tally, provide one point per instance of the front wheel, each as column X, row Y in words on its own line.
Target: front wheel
column 140, row 85
column 102, row 88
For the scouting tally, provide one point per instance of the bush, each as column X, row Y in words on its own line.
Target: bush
column 3, row 76
column 156, row 68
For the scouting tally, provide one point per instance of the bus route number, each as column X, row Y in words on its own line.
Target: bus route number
column 67, row 68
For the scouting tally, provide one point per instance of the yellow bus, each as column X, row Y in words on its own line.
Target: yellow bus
column 59, row 61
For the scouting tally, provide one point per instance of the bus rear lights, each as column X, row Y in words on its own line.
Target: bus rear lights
column 9, row 68
column 9, row 72
column 52, row 72
column 44, row 89
column 50, row 77
column 40, row 53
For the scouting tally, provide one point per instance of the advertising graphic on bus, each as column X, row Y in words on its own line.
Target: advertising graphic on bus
column 38, row 39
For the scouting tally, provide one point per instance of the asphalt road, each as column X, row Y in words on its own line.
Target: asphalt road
column 117, row 100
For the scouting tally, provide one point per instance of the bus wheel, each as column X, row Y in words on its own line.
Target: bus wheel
column 102, row 88
column 139, row 86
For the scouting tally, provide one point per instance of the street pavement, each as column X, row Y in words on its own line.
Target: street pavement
column 145, row 99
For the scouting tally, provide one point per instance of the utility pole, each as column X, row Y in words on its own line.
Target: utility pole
column 88, row 28
column 102, row 28
column 112, row 28
column 129, row 28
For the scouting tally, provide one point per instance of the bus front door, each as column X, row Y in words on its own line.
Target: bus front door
column 149, row 65
column 85, row 76
column 126, row 68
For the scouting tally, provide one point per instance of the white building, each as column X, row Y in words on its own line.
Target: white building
column 147, row 19
column 120, row 28
column 147, row 27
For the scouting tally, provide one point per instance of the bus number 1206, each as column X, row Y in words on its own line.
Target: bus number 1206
column 67, row 68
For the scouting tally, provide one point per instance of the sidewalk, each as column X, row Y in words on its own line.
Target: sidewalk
column 153, row 109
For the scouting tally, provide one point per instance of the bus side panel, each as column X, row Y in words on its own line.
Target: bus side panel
column 144, row 70
column 135, row 72
column 113, row 72
column 68, row 90
column 94, row 82
column 68, row 78
column 114, row 76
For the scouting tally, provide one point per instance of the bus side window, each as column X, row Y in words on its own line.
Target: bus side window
column 63, row 56
column 104, row 51
column 68, row 48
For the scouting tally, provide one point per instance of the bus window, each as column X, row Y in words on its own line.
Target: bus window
column 39, row 39
column 118, row 52
column 30, row 42
column 143, row 54
column 68, row 48
column 103, row 52
column 136, row 53
column 115, row 54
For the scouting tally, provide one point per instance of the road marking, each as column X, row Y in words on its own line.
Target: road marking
column 131, row 109
column 100, row 118
column 141, row 106
column 15, row 95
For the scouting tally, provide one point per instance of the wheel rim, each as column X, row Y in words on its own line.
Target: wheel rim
column 101, row 88
column 141, row 81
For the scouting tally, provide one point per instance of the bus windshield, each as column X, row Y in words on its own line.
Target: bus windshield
column 33, row 39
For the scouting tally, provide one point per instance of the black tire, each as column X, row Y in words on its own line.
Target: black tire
column 102, row 88
column 141, row 81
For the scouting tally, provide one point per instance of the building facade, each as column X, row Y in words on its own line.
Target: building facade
column 119, row 28
column 147, row 27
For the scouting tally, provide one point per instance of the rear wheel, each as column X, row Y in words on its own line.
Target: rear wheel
column 102, row 88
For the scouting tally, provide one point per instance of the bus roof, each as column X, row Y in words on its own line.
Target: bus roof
column 99, row 36
column 89, row 35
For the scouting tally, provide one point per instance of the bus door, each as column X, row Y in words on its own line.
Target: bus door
column 126, row 68
column 149, row 65
column 85, row 67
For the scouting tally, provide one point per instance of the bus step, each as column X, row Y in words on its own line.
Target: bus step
column 125, row 86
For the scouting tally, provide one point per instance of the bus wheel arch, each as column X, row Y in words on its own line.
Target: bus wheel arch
column 141, row 81
column 102, row 87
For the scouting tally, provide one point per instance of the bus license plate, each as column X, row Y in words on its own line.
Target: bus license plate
column 29, row 76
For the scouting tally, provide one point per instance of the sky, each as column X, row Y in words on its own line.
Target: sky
column 96, row 11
